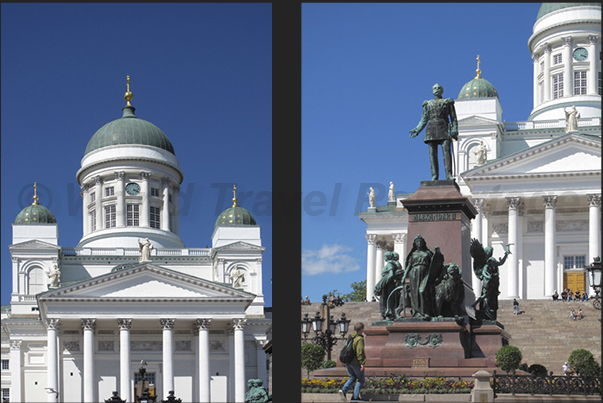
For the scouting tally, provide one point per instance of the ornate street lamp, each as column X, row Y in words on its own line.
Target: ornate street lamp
column 595, row 271
column 326, row 339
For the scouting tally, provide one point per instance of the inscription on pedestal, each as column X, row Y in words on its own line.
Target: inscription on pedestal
column 420, row 362
column 435, row 217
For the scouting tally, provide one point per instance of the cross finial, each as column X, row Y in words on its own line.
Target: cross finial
column 35, row 198
column 478, row 71
column 234, row 195
column 128, row 95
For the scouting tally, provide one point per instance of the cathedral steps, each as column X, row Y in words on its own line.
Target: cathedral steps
column 543, row 331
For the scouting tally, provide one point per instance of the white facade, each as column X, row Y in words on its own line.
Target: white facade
column 79, row 340
column 540, row 188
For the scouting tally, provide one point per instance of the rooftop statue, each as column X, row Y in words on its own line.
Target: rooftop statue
column 439, row 116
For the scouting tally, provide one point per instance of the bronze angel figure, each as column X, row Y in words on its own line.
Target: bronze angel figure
column 486, row 269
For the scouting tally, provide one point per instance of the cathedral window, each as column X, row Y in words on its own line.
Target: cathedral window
column 154, row 216
column 110, row 216
column 599, row 91
column 92, row 197
column 5, row 394
column 170, row 222
column 132, row 215
column 5, row 364
column 557, row 59
column 579, row 82
column 110, row 191
column 574, row 262
column 37, row 281
column 93, row 220
column 557, row 86
column 155, row 192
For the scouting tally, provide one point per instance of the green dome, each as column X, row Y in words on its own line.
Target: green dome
column 235, row 215
column 35, row 214
column 478, row 88
column 547, row 8
column 129, row 130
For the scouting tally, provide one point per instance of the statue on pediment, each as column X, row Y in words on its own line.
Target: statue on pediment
column 54, row 277
column 145, row 249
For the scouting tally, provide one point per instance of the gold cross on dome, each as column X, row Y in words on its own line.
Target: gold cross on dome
column 35, row 198
column 234, row 195
column 478, row 71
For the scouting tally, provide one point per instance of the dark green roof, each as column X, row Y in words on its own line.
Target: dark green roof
column 235, row 215
column 35, row 214
column 478, row 88
column 129, row 130
column 547, row 8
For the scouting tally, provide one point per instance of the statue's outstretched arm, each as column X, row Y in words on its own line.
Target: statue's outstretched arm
column 422, row 123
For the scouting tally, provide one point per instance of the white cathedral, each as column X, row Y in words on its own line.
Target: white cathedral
column 536, row 184
column 83, row 321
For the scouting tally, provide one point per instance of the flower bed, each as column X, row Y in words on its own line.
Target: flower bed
column 394, row 384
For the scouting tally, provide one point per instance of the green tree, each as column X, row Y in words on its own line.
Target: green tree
column 508, row 358
column 312, row 356
column 583, row 362
column 358, row 293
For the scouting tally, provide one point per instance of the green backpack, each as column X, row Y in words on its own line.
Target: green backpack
column 347, row 352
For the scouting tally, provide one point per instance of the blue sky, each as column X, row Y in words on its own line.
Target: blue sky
column 366, row 69
column 202, row 73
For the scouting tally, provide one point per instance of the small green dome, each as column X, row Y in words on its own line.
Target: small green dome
column 547, row 8
column 129, row 130
column 235, row 215
column 478, row 88
column 35, row 214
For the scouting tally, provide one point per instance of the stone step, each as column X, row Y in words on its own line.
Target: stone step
column 543, row 332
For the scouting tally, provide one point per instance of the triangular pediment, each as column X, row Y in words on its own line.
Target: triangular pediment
column 571, row 154
column 33, row 244
column 146, row 281
column 475, row 120
column 240, row 245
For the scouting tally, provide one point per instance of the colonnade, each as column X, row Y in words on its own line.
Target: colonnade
column 377, row 244
column 125, row 374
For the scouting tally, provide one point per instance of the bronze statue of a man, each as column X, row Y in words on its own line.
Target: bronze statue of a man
column 440, row 118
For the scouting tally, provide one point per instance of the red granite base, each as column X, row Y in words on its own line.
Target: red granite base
column 459, row 350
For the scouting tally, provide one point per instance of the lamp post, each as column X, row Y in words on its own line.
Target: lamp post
column 595, row 271
column 326, row 339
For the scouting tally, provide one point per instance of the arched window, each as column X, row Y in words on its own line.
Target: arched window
column 37, row 280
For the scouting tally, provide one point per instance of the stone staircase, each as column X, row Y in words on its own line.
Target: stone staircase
column 543, row 331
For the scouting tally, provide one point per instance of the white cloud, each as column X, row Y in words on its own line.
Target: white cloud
column 328, row 259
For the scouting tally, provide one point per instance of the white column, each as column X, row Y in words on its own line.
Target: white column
column 231, row 364
column 536, row 94
column 261, row 361
column 89, row 325
column 547, row 71
column 400, row 246
column 15, row 371
column 550, row 261
column 476, row 232
column 98, row 190
column 125, row 390
column 239, row 361
column 85, row 215
column 145, row 192
column 568, row 75
column 120, row 192
column 53, row 362
column 176, row 203
column 165, row 207
column 512, row 283
column 370, row 266
column 168, row 355
column 379, row 262
column 203, row 352
column 594, row 202
column 593, row 56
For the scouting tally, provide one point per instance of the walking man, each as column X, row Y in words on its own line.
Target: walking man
column 356, row 367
